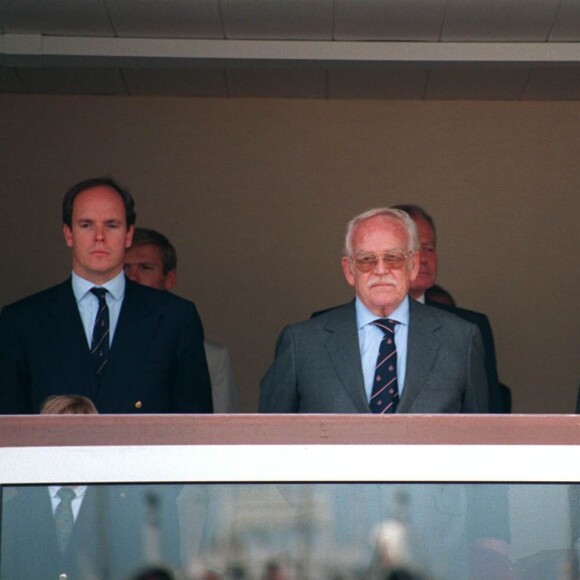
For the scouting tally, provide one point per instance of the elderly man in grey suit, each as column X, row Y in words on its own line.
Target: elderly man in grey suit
column 382, row 352
column 152, row 261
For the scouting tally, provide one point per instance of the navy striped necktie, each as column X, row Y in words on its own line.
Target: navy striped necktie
column 385, row 391
column 100, row 342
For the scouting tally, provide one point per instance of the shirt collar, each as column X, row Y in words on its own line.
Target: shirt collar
column 78, row 489
column 81, row 286
column 364, row 316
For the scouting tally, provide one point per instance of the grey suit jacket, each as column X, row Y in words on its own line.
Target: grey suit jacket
column 317, row 367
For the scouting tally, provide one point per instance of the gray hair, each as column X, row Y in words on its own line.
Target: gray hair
column 396, row 214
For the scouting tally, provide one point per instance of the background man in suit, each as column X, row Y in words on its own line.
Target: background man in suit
column 428, row 264
column 152, row 260
column 131, row 350
column 328, row 364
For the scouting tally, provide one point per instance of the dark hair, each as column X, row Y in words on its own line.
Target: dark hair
column 147, row 237
column 154, row 573
column 416, row 211
column 438, row 294
column 70, row 195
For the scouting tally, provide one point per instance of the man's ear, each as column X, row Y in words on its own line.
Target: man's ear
column 67, row 233
column 415, row 263
column 171, row 279
column 129, row 237
column 346, row 269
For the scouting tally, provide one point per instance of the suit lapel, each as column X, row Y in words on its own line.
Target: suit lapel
column 422, row 348
column 344, row 352
column 68, row 340
column 134, row 332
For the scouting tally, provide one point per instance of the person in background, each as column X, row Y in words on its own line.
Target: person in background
column 68, row 405
column 152, row 261
column 424, row 289
column 131, row 349
column 439, row 295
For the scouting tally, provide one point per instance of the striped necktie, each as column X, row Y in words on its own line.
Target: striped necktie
column 385, row 391
column 100, row 342
column 63, row 517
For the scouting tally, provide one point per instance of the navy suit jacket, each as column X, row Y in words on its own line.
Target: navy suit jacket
column 317, row 368
column 107, row 540
column 156, row 361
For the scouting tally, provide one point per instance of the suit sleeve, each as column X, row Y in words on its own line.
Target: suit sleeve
column 476, row 399
column 191, row 392
column 14, row 377
column 278, row 388
column 495, row 397
column 223, row 384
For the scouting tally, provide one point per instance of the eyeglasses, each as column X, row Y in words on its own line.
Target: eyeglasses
column 392, row 261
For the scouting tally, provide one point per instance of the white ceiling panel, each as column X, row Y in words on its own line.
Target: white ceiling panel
column 303, row 83
column 392, row 49
column 278, row 19
column 166, row 19
column 73, row 81
column 396, row 82
column 560, row 83
column 176, row 82
column 499, row 20
column 71, row 18
column 388, row 19
column 567, row 23
column 476, row 82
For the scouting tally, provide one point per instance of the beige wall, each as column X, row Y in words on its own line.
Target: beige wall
column 255, row 195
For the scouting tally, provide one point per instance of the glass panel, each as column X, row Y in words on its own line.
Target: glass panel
column 336, row 531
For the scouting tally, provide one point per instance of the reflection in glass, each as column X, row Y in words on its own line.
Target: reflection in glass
column 297, row 531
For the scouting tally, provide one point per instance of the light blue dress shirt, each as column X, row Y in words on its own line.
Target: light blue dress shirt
column 370, row 337
column 88, row 303
column 79, row 490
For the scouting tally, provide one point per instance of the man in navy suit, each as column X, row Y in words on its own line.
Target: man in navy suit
column 99, row 532
column 108, row 538
column 426, row 278
column 154, row 361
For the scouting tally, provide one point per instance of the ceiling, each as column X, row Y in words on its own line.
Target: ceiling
column 334, row 49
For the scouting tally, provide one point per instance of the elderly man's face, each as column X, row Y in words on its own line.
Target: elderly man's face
column 385, row 285
column 427, row 259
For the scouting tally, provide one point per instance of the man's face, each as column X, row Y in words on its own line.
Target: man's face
column 427, row 259
column 144, row 265
column 99, row 235
column 383, row 287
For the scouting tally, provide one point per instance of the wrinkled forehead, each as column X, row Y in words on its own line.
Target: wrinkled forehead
column 380, row 234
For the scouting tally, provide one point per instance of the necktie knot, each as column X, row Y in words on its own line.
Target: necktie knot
column 100, row 293
column 66, row 494
column 387, row 325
